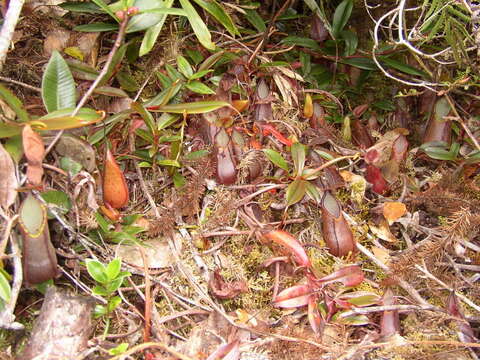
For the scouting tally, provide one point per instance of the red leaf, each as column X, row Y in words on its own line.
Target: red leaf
column 374, row 176
column 293, row 297
column 316, row 322
column 349, row 275
column 293, row 245
column 230, row 351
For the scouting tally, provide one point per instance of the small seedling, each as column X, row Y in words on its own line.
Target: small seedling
column 108, row 279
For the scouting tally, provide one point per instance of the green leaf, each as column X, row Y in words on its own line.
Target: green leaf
column 152, row 33
column 198, row 26
column 165, row 96
column 81, row 70
column 169, row 162
column 96, row 27
column 82, row 7
column 199, row 88
column 313, row 192
column 110, row 91
column 99, row 311
column 178, row 180
column 166, row 120
column 313, row 5
column 274, row 64
column 400, row 66
column 97, row 271
column 361, row 63
column 104, row 7
column 8, row 130
column 58, row 87
column 184, row 66
column 127, row 81
column 217, row 11
column 113, row 303
column 296, row 191
column 70, row 166
column 5, row 290
column 200, row 74
column 113, row 268
column 151, row 12
column 211, row 60
column 276, row 158
column 301, row 41
column 341, row 16
column 14, row 147
column 196, row 155
column 298, row 156
column 116, row 60
column 146, row 116
column 199, row 107
column 256, row 20
column 351, row 42
column 351, row 320
column 14, row 103
column 118, row 350
column 59, row 199
column 61, row 119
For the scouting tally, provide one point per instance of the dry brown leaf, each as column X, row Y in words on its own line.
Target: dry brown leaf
column 392, row 211
column 381, row 254
column 382, row 230
column 8, row 180
column 56, row 40
column 225, row 290
column 34, row 150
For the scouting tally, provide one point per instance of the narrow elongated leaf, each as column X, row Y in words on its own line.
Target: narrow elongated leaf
column 81, row 7
column 184, row 67
column 152, row 33
column 14, row 103
column 101, row 4
column 199, row 107
column 61, row 119
column 341, row 16
column 400, row 66
column 296, row 191
column 276, row 158
column 58, row 86
column 198, row 26
column 199, row 88
column 151, row 12
column 285, row 239
column 96, row 27
column 217, row 11
column 293, row 297
column 351, row 275
column 298, row 156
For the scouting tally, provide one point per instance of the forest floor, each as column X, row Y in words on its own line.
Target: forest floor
column 277, row 197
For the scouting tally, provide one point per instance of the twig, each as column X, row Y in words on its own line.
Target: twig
column 152, row 345
column 7, row 317
column 8, row 27
column 371, row 309
column 143, row 185
column 460, row 120
column 83, row 100
column 148, row 297
column 8, row 228
column 429, row 275
column 16, row 82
